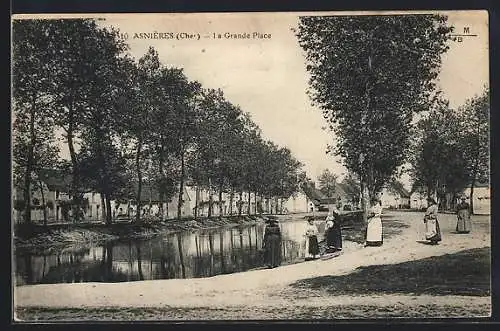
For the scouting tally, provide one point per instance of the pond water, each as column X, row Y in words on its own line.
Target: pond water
column 189, row 254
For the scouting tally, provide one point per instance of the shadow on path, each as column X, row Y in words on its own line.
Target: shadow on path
column 463, row 273
column 390, row 228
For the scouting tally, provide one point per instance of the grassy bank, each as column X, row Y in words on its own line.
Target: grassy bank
column 54, row 237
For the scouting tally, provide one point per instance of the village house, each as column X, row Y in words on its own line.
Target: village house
column 56, row 194
column 346, row 197
column 395, row 196
column 298, row 203
column 150, row 204
column 418, row 198
column 481, row 198
column 200, row 200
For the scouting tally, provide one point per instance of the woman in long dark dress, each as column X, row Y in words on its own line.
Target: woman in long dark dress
column 333, row 232
column 272, row 244
column 463, row 216
column 432, row 230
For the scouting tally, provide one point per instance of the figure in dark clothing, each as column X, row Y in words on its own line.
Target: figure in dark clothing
column 272, row 244
column 464, row 224
column 333, row 232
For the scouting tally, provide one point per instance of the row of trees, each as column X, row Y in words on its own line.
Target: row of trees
column 128, row 122
column 370, row 75
column 451, row 149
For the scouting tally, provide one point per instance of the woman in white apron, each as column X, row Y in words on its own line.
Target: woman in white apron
column 374, row 227
column 432, row 231
column 311, row 243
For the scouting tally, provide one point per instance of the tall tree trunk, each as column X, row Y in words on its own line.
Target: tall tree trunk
column 109, row 218
column 75, row 184
column 43, row 203
column 471, row 196
column 364, row 181
column 103, row 205
column 196, row 201
column 29, row 166
column 255, row 203
column 180, row 201
column 162, row 179
column 364, row 201
column 221, row 212
column 240, row 204
column 474, row 179
column 249, row 207
column 210, row 199
column 231, row 197
column 139, row 180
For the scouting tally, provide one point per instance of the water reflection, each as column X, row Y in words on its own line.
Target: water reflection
column 182, row 255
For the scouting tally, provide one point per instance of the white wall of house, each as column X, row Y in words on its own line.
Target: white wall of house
column 298, row 203
column 481, row 200
column 227, row 205
column 392, row 199
column 418, row 200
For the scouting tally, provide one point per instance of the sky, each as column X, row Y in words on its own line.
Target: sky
column 268, row 78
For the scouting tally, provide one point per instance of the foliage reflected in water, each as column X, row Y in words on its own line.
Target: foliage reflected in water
column 181, row 255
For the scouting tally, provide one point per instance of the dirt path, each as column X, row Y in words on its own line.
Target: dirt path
column 263, row 290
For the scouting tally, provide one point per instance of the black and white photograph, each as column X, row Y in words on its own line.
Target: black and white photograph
column 250, row 166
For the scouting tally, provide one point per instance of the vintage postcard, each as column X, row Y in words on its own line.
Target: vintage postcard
column 250, row 166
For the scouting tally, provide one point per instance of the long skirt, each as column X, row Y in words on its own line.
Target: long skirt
column 272, row 251
column 374, row 232
column 311, row 247
column 432, row 231
column 334, row 239
column 464, row 224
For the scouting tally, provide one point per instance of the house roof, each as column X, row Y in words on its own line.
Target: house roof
column 341, row 191
column 150, row 192
column 398, row 188
column 313, row 193
column 56, row 180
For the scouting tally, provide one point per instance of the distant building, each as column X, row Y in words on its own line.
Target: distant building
column 150, row 203
column 481, row 198
column 418, row 198
column 56, row 188
column 299, row 203
column 395, row 196
column 481, row 202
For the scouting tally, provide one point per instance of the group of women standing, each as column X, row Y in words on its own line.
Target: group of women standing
column 432, row 229
column 333, row 236
column 373, row 233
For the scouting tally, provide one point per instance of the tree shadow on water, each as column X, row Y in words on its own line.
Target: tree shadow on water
column 463, row 273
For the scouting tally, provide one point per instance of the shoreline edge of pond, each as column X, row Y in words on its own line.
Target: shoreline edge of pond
column 42, row 239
